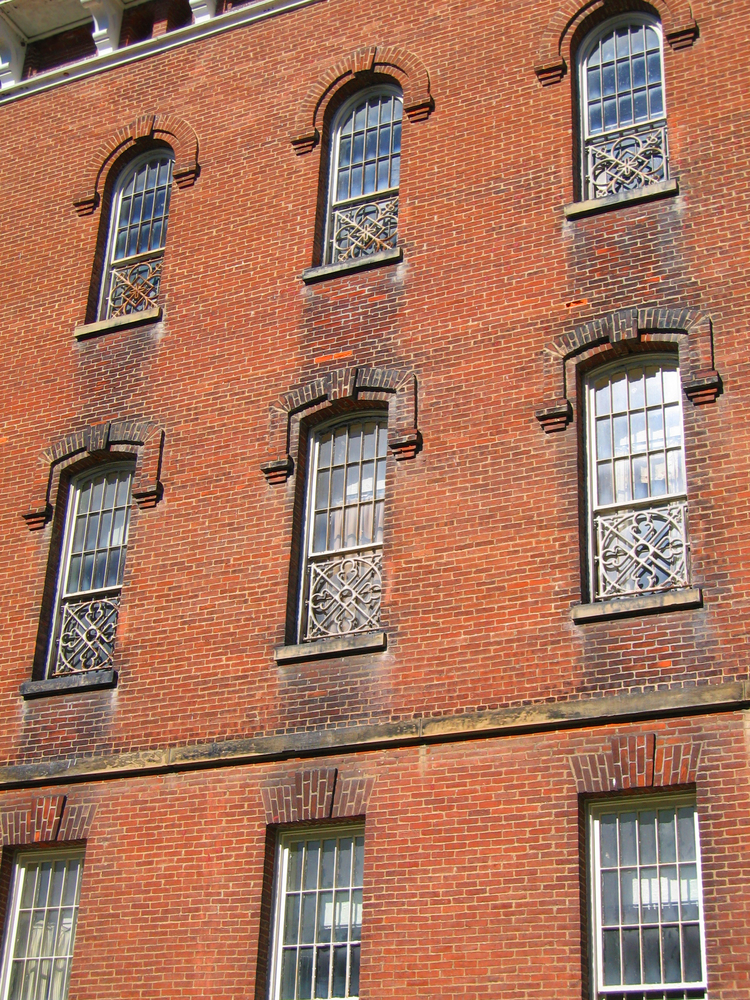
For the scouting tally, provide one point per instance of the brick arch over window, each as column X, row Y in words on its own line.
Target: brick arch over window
column 640, row 760
column 46, row 819
column 315, row 794
column 397, row 388
column 680, row 30
column 690, row 329
column 139, row 439
column 391, row 60
column 170, row 129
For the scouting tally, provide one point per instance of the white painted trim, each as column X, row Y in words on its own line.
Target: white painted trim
column 236, row 18
column 11, row 56
column 107, row 16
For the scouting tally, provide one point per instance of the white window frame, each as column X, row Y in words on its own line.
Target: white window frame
column 387, row 214
column 107, row 597
column 21, row 863
column 145, row 267
column 639, row 804
column 636, row 18
column 675, row 502
column 307, row 835
column 365, row 560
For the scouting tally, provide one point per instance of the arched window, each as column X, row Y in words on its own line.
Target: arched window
column 137, row 235
column 91, row 570
column 638, row 524
column 341, row 578
column 624, row 125
column 364, row 177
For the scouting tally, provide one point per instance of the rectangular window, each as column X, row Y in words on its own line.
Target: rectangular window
column 41, row 925
column 647, row 906
column 91, row 570
column 318, row 922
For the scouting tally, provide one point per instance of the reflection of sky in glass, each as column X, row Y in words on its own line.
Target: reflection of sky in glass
column 638, row 445
column 369, row 151
column 623, row 78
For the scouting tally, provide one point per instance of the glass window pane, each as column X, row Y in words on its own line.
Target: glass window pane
column 604, row 485
column 651, row 956
column 304, row 974
column 631, row 957
column 610, row 899
column 671, row 954
column 654, row 67
column 691, row 950
column 686, row 833
column 322, row 971
column 667, row 844
column 294, row 866
column 291, row 920
column 338, row 988
column 312, row 853
column 611, row 958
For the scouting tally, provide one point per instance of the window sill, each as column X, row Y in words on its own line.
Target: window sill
column 646, row 604
column 313, row 274
column 117, row 323
column 662, row 189
column 94, row 680
column 344, row 645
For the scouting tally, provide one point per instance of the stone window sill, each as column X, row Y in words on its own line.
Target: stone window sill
column 94, row 680
column 117, row 323
column 313, row 274
column 646, row 604
column 662, row 189
column 344, row 645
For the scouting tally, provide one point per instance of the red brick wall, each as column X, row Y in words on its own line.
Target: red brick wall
column 471, row 869
column 483, row 533
column 482, row 552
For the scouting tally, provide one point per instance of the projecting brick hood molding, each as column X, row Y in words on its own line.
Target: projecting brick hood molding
column 690, row 329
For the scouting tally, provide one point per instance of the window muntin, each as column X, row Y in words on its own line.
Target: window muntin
column 638, row 520
column 365, row 167
column 645, row 880
column 91, row 572
column 138, row 232
column 318, row 926
column 343, row 550
column 623, row 113
column 41, row 926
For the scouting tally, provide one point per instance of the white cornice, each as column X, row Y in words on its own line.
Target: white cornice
column 236, row 18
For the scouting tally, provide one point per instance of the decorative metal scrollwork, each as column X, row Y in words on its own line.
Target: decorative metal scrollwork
column 87, row 635
column 344, row 594
column 626, row 161
column 363, row 229
column 134, row 287
column 641, row 550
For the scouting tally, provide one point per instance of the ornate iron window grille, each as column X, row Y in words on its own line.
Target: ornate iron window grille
column 87, row 633
column 134, row 284
column 642, row 549
column 626, row 160
column 344, row 593
column 362, row 228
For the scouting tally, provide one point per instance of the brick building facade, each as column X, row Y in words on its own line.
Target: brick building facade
column 430, row 643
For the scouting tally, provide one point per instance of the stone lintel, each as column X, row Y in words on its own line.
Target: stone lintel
column 732, row 696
